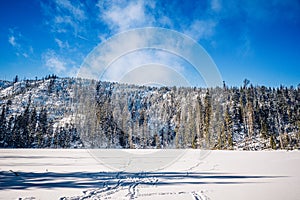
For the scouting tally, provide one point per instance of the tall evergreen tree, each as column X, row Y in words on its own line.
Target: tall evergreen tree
column 207, row 117
column 42, row 128
column 3, row 128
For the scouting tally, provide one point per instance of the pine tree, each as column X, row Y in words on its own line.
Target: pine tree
column 42, row 128
column 9, row 133
column 32, row 126
column 16, row 79
column 228, row 128
column 3, row 128
column 207, row 117
column 199, row 120
column 24, row 123
column 272, row 142
column 16, row 132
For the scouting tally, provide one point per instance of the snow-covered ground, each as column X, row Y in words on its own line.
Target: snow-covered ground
column 148, row 174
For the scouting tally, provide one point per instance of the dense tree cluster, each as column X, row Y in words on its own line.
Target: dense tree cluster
column 25, row 120
column 31, row 129
column 67, row 113
column 125, row 116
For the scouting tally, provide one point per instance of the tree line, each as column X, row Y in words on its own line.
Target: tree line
column 112, row 115
column 248, row 117
column 32, row 129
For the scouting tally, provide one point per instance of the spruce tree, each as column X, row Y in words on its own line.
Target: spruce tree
column 3, row 128
column 272, row 142
column 207, row 117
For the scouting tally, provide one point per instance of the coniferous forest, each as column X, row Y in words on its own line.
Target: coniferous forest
column 74, row 113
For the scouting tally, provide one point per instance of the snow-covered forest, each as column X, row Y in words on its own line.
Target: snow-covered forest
column 74, row 113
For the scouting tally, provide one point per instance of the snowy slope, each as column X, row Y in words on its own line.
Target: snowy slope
column 53, row 94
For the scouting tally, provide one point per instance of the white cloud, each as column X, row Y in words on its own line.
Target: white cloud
column 60, row 65
column 19, row 44
column 165, row 21
column 146, row 58
column 61, row 44
column 216, row 5
column 118, row 16
column 122, row 16
column 70, row 23
column 117, row 57
column 201, row 29
column 154, row 74
column 76, row 11
column 12, row 40
column 73, row 72
column 25, row 55
column 53, row 62
column 65, row 16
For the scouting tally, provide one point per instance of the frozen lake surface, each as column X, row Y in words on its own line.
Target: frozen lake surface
column 148, row 174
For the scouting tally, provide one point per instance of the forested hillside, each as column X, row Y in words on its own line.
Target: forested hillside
column 74, row 113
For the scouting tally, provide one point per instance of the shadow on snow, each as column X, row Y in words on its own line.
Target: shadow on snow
column 51, row 180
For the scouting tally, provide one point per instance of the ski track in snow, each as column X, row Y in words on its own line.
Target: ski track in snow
column 200, row 196
column 131, row 185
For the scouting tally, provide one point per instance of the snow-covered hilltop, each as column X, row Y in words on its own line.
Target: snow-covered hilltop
column 72, row 113
column 34, row 113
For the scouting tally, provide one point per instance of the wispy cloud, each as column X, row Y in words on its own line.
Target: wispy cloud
column 123, row 15
column 216, row 5
column 201, row 29
column 62, row 44
column 118, row 57
column 19, row 44
column 74, row 23
column 77, row 12
column 69, row 22
column 59, row 65
column 132, row 60
column 53, row 62
column 63, row 15
column 12, row 40
column 73, row 71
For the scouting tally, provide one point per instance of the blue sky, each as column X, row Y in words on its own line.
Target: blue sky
column 257, row 40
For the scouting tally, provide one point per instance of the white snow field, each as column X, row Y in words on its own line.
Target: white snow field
column 148, row 174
